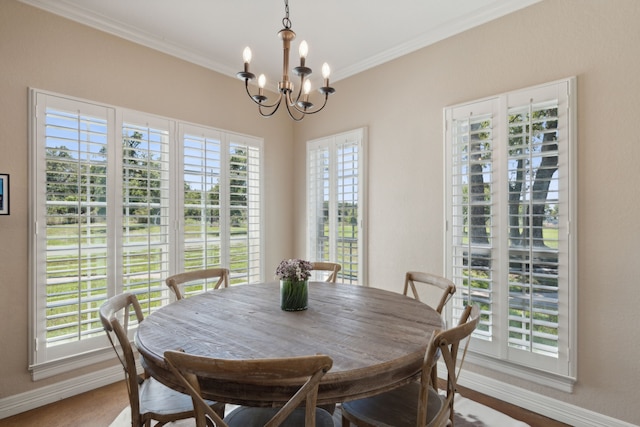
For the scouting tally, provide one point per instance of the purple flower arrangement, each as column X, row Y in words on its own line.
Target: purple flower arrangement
column 294, row 269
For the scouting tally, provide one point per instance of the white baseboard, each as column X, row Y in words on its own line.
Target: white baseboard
column 26, row 401
column 544, row 405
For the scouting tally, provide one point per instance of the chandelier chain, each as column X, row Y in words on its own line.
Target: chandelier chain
column 286, row 22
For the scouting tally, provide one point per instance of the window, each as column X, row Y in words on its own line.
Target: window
column 122, row 199
column 335, row 202
column 71, row 199
column 510, row 244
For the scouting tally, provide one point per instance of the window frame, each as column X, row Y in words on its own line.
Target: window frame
column 494, row 351
column 45, row 360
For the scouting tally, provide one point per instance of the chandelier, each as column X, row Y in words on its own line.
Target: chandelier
column 299, row 106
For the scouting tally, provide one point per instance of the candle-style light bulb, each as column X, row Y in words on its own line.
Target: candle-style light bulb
column 246, row 55
column 326, row 72
column 261, row 81
column 306, row 88
column 303, row 50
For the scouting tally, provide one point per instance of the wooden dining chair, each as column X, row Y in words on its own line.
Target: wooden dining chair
column 418, row 404
column 190, row 369
column 333, row 267
column 445, row 288
column 177, row 282
column 149, row 399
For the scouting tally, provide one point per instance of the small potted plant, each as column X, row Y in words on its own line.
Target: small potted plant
column 294, row 286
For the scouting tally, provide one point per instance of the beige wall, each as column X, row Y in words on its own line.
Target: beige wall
column 401, row 103
column 41, row 50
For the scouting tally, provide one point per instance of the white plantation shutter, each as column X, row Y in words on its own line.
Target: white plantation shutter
column 245, row 247
column 533, row 258
column 347, row 245
column 145, row 201
column 71, row 169
column 221, row 219
column 318, row 201
column 119, row 201
column 539, row 241
column 510, row 204
column 473, row 246
column 335, row 201
column 201, row 222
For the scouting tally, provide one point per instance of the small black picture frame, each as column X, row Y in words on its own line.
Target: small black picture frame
column 4, row 194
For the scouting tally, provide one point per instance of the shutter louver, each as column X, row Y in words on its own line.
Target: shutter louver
column 347, row 250
column 201, row 213
column 472, row 231
column 245, row 200
column 533, row 228
column 145, row 228
column 76, row 231
column 318, row 205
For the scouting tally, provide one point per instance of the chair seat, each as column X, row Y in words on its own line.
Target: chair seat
column 246, row 416
column 157, row 398
column 395, row 408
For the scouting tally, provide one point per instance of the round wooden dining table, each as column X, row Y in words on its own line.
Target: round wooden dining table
column 376, row 338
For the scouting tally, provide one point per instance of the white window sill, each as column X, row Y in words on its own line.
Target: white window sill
column 60, row 366
column 548, row 379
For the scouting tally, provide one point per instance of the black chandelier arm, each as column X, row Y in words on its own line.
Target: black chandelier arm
column 294, row 118
column 263, row 114
column 305, row 111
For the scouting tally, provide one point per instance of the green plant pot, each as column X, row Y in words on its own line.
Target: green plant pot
column 294, row 295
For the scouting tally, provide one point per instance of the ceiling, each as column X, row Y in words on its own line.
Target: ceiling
column 350, row 35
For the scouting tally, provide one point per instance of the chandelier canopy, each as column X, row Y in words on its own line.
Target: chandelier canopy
column 299, row 106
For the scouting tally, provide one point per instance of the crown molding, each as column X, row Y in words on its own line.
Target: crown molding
column 447, row 29
column 127, row 32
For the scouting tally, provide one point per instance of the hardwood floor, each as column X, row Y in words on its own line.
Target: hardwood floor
column 99, row 407
column 531, row 418
column 96, row 408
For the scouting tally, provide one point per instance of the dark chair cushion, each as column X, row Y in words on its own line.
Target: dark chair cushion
column 257, row 417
